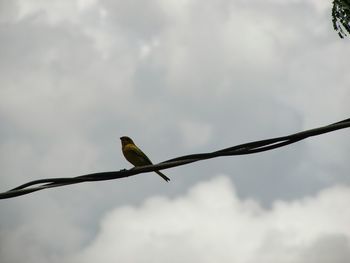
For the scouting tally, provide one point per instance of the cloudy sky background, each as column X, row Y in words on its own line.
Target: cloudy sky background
column 180, row 77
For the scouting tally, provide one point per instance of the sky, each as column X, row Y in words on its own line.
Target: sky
column 179, row 77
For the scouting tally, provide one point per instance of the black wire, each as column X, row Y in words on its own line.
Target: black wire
column 242, row 149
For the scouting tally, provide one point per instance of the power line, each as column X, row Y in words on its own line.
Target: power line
column 242, row 149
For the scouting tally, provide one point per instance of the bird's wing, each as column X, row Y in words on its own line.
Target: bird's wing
column 141, row 155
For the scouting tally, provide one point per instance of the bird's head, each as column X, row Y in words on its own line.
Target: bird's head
column 126, row 140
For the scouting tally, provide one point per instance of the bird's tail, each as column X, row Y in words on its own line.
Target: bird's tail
column 163, row 176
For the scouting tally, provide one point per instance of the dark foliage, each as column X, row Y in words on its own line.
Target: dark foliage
column 341, row 17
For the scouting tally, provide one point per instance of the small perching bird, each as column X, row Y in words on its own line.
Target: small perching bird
column 135, row 156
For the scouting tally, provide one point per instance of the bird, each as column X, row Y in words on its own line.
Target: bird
column 135, row 156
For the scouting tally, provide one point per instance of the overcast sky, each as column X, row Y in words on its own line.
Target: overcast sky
column 179, row 77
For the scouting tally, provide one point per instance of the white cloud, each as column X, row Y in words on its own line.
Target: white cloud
column 211, row 224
